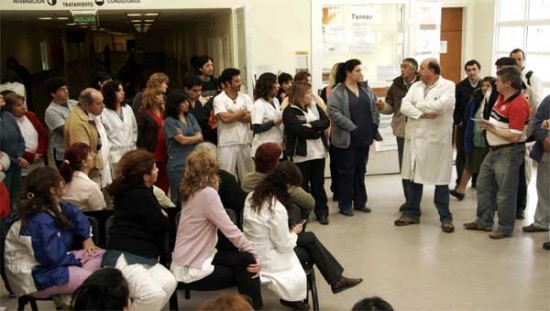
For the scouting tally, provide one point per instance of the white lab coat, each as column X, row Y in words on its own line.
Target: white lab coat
column 281, row 269
column 122, row 133
column 428, row 151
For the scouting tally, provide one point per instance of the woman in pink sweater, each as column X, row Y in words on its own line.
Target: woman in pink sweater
column 195, row 259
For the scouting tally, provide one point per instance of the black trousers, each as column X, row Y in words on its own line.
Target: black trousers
column 313, row 172
column 311, row 251
column 460, row 161
column 351, row 167
column 230, row 270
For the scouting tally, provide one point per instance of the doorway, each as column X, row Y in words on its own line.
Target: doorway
column 451, row 36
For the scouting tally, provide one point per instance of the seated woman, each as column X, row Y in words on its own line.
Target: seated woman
column 105, row 289
column 266, row 225
column 195, row 260
column 300, row 202
column 41, row 238
column 309, row 248
column 34, row 134
column 138, row 232
column 81, row 190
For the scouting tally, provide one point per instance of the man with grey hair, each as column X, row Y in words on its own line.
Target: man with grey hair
column 83, row 126
column 392, row 104
column 497, row 184
column 428, row 150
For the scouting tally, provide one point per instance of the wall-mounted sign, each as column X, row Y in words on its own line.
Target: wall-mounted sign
column 73, row 4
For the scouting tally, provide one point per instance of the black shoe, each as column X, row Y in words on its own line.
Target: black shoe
column 456, row 194
column 346, row 213
column 344, row 283
column 323, row 219
column 296, row 305
column 363, row 209
column 403, row 207
column 520, row 215
column 546, row 246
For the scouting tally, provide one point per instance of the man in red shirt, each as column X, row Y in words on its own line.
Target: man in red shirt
column 498, row 176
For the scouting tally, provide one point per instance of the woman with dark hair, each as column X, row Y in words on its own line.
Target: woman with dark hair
column 119, row 122
column 355, row 120
column 81, row 190
column 285, row 82
column 104, row 290
column 204, row 68
column 298, row 205
column 372, row 304
column 306, row 144
column 99, row 79
column 138, row 232
column 34, row 134
column 266, row 117
column 195, row 260
column 12, row 143
column 266, row 226
column 183, row 133
column 41, row 239
column 151, row 136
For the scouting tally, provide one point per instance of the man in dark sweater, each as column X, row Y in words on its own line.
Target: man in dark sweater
column 464, row 90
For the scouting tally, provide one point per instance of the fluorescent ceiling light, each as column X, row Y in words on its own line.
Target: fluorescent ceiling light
column 151, row 14
column 71, row 24
column 62, row 18
column 136, row 21
column 45, row 18
column 149, row 20
column 133, row 14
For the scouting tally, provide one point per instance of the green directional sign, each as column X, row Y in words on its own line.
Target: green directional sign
column 85, row 19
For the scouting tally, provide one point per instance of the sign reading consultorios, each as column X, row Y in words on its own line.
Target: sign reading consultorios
column 74, row 3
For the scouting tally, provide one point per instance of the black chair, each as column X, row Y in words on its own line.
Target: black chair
column 101, row 217
column 94, row 226
column 108, row 224
column 24, row 300
column 310, row 274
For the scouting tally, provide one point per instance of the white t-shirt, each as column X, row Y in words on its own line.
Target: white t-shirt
column 30, row 135
column 263, row 112
column 235, row 133
column 315, row 148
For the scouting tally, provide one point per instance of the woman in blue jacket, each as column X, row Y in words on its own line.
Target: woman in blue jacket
column 38, row 256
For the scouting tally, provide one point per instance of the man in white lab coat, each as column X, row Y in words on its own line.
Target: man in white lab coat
column 427, row 158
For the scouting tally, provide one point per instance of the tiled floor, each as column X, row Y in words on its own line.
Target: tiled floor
column 419, row 267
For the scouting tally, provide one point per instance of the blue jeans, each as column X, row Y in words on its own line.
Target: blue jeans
column 497, row 186
column 400, row 146
column 441, row 201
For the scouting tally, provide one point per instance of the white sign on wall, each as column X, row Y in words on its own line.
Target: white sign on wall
column 75, row 4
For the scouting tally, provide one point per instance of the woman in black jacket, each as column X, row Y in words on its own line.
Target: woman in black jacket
column 305, row 143
column 138, row 232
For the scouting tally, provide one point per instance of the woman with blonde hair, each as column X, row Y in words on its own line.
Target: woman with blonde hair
column 228, row 302
column 195, row 260
column 306, row 143
column 151, row 135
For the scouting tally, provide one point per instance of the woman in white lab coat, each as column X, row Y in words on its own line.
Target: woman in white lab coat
column 266, row 226
column 119, row 122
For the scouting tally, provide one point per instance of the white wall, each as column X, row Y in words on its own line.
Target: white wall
column 478, row 29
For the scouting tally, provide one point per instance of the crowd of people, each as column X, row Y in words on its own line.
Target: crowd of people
column 209, row 148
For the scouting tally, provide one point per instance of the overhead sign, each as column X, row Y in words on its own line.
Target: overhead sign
column 85, row 19
column 73, row 4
